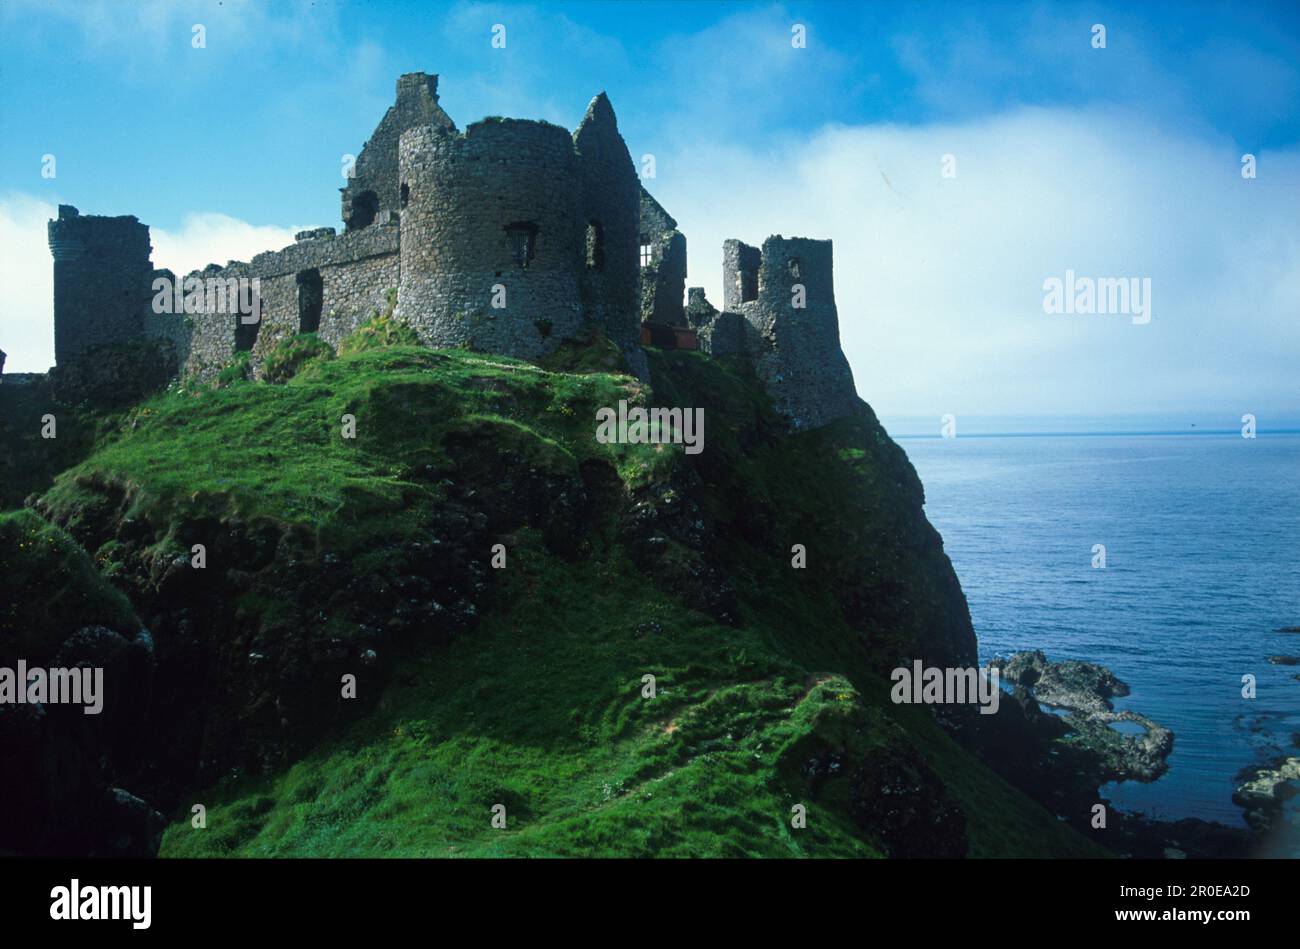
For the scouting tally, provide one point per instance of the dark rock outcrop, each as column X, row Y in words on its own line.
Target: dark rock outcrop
column 59, row 763
column 1265, row 789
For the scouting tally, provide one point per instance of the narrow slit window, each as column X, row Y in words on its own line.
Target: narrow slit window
column 595, row 246
column 748, row 280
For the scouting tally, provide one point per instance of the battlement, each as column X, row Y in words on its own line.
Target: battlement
column 73, row 234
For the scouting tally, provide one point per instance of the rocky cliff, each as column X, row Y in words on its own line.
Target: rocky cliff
column 611, row 642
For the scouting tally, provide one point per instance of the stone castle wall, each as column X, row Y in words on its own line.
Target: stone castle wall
column 796, row 350
column 496, row 207
column 556, row 221
column 356, row 271
column 373, row 187
column 663, row 279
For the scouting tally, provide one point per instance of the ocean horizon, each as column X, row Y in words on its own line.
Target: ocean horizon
column 1019, row 426
column 1201, row 574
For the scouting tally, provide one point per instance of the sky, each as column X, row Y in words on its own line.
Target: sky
column 1123, row 161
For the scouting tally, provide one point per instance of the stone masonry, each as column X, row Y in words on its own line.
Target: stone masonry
column 374, row 184
column 101, row 280
column 663, row 274
column 510, row 237
column 786, row 295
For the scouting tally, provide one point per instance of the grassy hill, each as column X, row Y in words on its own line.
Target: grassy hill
column 524, row 686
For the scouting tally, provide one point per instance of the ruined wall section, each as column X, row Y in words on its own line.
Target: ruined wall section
column 375, row 172
column 356, row 270
column 726, row 334
column 102, row 276
column 611, row 208
column 663, row 279
column 699, row 311
column 172, row 327
column 206, row 336
column 740, row 266
column 719, row 334
column 498, row 205
column 796, row 351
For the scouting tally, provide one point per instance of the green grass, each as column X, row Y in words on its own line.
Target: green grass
column 251, row 450
column 539, row 707
column 541, row 710
column 49, row 587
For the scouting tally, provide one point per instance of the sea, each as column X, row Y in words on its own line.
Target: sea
column 1201, row 537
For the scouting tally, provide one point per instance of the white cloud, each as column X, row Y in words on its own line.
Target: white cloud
column 26, row 284
column 27, row 270
column 133, row 34
column 211, row 238
column 939, row 282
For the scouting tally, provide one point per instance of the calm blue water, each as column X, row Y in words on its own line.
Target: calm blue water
column 1202, row 537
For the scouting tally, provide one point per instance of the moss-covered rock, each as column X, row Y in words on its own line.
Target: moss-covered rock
column 289, row 356
column 60, row 765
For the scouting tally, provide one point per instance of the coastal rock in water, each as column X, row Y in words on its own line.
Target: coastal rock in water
column 1071, row 684
column 1265, row 789
column 1094, row 748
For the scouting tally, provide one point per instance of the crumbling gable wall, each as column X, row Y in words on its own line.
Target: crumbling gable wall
column 663, row 279
column 374, row 186
column 611, row 206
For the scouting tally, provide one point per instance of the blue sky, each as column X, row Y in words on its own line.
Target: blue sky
column 1123, row 161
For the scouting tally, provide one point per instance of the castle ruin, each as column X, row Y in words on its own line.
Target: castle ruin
column 510, row 237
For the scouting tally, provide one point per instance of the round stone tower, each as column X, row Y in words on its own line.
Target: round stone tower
column 493, row 242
